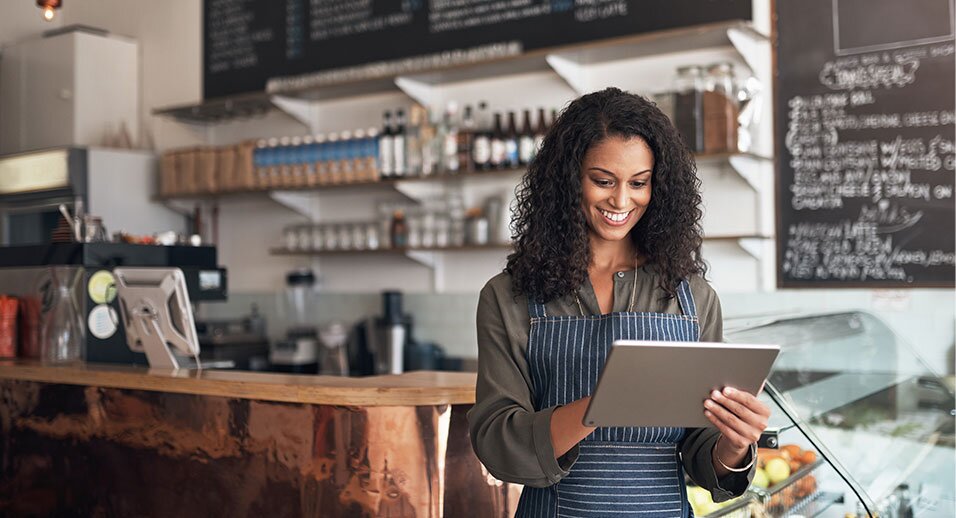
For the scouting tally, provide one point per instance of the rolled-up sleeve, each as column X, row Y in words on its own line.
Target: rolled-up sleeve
column 697, row 450
column 698, row 445
column 509, row 436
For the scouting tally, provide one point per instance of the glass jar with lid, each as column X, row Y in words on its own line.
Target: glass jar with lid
column 688, row 106
column 720, row 109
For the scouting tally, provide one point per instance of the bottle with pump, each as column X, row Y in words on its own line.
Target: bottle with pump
column 386, row 147
column 481, row 142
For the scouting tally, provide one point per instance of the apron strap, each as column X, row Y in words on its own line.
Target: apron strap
column 686, row 299
column 536, row 309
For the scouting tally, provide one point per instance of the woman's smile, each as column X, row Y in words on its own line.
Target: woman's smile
column 615, row 219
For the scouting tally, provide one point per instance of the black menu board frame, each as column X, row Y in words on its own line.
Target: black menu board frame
column 863, row 135
column 248, row 42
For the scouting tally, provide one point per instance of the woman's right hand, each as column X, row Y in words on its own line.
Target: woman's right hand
column 567, row 426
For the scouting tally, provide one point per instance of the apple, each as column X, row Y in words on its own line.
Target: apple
column 761, row 479
column 777, row 470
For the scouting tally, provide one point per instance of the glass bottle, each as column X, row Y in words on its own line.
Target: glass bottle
column 498, row 149
column 386, row 147
column 398, row 141
column 450, row 163
column 481, row 143
column 466, row 134
column 414, row 137
column 511, row 143
column 526, row 140
column 399, row 230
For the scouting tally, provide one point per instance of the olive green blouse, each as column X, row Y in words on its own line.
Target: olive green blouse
column 512, row 439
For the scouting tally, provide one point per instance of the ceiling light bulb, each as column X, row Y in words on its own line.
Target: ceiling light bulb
column 49, row 13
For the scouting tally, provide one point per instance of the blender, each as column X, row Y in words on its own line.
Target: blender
column 298, row 352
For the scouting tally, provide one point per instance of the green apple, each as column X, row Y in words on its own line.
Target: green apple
column 761, row 479
column 777, row 470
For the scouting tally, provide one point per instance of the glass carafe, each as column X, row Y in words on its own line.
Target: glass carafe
column 61, row 330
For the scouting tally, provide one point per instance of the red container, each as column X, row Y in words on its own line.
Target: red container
column 8, row 326
column 29, row 327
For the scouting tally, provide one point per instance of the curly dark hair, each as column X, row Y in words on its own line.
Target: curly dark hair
column 551, row 245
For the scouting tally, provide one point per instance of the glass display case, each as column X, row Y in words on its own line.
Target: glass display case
column 861, row 424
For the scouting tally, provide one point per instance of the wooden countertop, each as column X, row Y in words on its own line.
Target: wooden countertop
column 418, row 388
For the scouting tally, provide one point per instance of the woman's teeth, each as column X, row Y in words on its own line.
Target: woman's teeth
column 616, row 217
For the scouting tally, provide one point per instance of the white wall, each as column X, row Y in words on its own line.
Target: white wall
column 20, row 19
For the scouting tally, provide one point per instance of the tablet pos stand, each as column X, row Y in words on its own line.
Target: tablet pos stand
column 156, row 314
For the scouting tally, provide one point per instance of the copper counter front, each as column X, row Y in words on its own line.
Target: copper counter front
column 94, row 451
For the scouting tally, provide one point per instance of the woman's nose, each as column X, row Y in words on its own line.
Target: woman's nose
column 619, row 197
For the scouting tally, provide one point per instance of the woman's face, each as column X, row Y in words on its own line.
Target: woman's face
column 616, row 186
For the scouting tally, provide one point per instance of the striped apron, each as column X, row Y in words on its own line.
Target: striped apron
column 620, row 471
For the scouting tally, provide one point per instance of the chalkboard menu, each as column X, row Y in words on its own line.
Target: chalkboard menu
column 865, row 143
column 247, row 42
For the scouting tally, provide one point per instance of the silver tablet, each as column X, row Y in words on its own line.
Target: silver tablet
column 665, row 383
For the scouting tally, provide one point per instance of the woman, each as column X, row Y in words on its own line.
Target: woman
column 607, row 247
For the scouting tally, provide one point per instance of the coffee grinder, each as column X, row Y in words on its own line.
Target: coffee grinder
column 298, row 352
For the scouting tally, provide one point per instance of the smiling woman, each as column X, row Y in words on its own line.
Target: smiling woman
column 607, row 246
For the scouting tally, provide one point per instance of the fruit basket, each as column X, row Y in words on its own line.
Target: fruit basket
column 704, row 507
column 794, row 491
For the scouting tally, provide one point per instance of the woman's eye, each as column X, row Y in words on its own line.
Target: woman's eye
column 602, row 183
column 638, row 185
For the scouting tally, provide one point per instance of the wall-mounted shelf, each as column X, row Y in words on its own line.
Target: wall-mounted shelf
column 466, row 248
column 293, row 94
column 389, row 182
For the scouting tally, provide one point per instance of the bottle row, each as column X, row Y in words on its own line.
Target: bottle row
column 449, row 142
column 420, row 145
column 437, row 223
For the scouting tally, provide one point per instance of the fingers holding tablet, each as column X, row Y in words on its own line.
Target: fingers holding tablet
column 739, row 415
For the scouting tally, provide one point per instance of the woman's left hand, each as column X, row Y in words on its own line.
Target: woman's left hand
column 741, row 418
